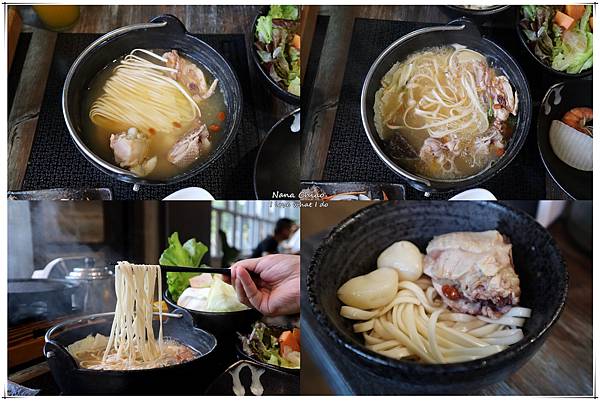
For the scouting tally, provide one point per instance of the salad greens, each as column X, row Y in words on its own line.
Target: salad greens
column 187, row 255
column 560, row 36
column 278, row 46
column 266, row 343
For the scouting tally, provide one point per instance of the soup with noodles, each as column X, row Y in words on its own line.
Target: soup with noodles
column 445, row 113
column 154, row 113
column 132, row 344
column 457, row 303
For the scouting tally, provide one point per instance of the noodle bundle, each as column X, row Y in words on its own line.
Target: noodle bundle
column 132, row 344
column 417, row 325
column 132, row 336
column 141, row 94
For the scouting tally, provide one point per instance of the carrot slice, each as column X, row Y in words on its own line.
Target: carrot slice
column 296, row 333
column 563, row 20
column 296, row 41
column 575, row 11
column 221, row 115
column 288, row 340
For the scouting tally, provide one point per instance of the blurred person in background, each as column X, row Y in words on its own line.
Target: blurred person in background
column 282, row 232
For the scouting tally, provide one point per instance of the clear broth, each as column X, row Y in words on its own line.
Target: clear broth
column 97, row 138
column 467, row 163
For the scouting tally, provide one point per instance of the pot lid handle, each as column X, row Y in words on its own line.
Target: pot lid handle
column 469, row 27
column 173, row 24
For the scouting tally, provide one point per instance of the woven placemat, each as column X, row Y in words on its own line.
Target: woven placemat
column 14, row 75
column 350, row 156
column 55, row 161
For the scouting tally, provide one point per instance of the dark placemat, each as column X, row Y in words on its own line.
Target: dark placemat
column 312, row 67
column 56, row 162
column 350, row 156
column 14, row 75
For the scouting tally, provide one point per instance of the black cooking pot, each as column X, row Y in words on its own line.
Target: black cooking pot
column 277, row 166
column 164, row 32
column 352, row 248
column 36, row 299
column 540, row 63
column 224, row 325
column 464, row 32
column 263, row 75
column 185, row 378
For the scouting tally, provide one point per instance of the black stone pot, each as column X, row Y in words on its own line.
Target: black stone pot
column 264, row 75
column 540, row 63
column 351, row 249
column 464, row 32
column 163, row 32
column 224, row 325
column 559, row 99
column 184, row 378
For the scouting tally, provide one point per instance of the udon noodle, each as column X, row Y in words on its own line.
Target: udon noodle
column 418, row 325
column 132, row 344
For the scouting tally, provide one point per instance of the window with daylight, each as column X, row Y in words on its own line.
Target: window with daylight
column 245, row 223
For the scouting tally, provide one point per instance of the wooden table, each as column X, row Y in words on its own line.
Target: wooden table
column 23, row 117
column 322, row 107
column 562, row 366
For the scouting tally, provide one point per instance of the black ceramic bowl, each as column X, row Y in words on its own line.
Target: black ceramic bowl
column 243, row 355
column 72, row 379
column 277, row 166
column 221, row 324
column 464, row 32
column 164, row 32
column 264, row 75
column 540, row 63
column 364, row 235
column 559, row 99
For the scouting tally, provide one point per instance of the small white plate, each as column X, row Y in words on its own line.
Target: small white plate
column 189, row 194
column 475, row 194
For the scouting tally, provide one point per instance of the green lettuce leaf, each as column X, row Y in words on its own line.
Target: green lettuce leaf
column 187, row 255
column 284, row 12
column 294, row 86
column 576, row 52
column 264, row 29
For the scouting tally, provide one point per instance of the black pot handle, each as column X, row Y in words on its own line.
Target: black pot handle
column 53, row 350
column 470, row 27
column 173, row 25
